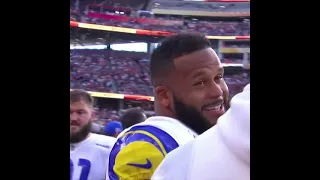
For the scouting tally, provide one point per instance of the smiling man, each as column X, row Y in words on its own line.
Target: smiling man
column 190, row 95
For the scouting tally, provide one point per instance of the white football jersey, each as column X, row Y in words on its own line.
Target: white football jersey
column 89, row 158
column 142, row 147
column 221, row 153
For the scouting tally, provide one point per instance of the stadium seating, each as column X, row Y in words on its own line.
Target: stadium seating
column 215, row 28
column 103, row 115
column 96, row 70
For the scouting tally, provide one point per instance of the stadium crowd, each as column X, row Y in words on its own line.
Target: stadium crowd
column 172, row 24
column 95, row 70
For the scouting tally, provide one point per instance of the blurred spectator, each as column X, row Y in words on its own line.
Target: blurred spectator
column 103, row 116
column 89, row 71
column 97, row 128
column 113, row 129
column 132, row 116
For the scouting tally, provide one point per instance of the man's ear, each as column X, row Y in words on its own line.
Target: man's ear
column 162, row 94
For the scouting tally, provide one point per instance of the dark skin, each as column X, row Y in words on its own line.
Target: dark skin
column 197, row 81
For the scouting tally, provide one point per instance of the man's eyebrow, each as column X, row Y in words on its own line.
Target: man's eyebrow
column 201, row 73
column 197, row 74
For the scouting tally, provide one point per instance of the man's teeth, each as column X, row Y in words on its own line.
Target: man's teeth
column 214, row 107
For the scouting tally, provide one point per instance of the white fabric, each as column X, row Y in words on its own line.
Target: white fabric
column 178, row 131
column 221, row 153
column 93, row 154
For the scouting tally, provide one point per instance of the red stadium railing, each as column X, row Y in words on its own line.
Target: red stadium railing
column 111, row 7
column 150, row 21
column 109, row 17
column 141, row 31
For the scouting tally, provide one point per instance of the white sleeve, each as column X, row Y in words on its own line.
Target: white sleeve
column 175, row 165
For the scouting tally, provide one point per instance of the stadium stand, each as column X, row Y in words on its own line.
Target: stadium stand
column 220, row 25
column 95, row 70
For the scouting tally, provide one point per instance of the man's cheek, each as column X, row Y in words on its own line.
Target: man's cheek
column 85, row 119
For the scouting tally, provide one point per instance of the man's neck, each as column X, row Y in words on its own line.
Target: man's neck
column 166, row 113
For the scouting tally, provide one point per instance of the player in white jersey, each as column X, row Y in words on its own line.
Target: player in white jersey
column 190, row 95
column 221, row 153
column 89, row 152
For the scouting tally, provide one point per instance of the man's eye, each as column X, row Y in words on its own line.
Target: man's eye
column 200, row 83
column 81, row 112
column 219, row 77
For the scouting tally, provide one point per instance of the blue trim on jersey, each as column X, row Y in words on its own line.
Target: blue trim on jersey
column 138, row 137
column 166, row 140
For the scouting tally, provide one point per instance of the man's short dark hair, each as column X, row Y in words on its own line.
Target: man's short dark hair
column 131, row 117
column 173, row 47
column 78, row 95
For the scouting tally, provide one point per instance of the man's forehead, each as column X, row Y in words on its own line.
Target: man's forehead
column 199, row 59
column 78, row 105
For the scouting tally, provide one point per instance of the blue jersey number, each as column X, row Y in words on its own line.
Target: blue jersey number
column 85, row 164
column 71, row 169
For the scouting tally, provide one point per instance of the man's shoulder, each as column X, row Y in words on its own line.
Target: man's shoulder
column 176, row 164
column 149, row 145
column 162, row 128
column 150, row 133
column 150, row 142
column 103, row 141
column 167, row 124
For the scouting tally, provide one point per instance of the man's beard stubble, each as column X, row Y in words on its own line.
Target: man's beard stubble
column 190, row 117
column 81, row 134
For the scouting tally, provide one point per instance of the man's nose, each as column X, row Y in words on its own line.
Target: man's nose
column 73, row 116
column 214, row 91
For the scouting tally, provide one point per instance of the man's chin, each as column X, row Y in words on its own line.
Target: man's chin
column 74, row 128
column 211, row 120
column 77, row 137
column 78, row 133
column 74, row 132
